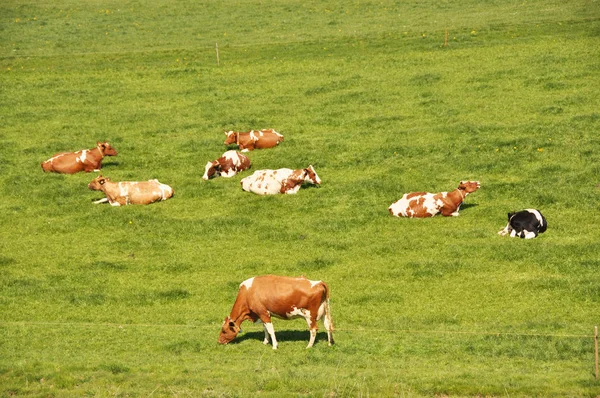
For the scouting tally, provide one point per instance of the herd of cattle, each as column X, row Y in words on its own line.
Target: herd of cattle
column 261, row 297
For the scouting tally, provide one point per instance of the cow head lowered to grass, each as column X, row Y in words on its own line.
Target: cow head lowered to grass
column 425, row 204
column 262, row 297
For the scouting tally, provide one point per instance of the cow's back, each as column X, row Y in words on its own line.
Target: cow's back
column 233, row 162
column 281, row 295
column 64, row 163
column 417, row 204
column 267, row 139
column 265, row 182
column 145, row 192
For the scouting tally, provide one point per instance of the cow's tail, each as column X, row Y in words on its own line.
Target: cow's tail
column 327, row 320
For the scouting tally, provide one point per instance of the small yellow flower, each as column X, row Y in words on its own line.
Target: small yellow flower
column 473, row 32
column 540, row 149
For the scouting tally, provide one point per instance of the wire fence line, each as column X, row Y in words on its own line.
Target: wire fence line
column 210, row 45
column 342, row 329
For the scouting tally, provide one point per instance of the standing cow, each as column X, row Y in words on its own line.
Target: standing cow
column 85, row 160
column 263, row 297
column 287, row 181
column 130, row 192
column 228, row 165
column 253, row 139
column 425, row 204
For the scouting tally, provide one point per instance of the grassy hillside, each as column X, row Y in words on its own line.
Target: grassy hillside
column 98, row 301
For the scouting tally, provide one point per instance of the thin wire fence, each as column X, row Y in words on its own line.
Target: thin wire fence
column 337, row 330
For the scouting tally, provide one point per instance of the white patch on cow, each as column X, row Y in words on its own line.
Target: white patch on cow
column 83, row 157
column 233, row 157
column 123, row 189
column 165, row 191
column 537, row 215
column 431, row 205
column 528, row 234
column 247, row 283
column 253, row 136
column 314, row 283
column 401, row 207
column 206, row 169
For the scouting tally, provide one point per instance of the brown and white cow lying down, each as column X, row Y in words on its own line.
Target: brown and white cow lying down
column 288, row 181
column 263, row 297
column 85, row 160
column 425, row 204
column 130, row 192
column 228, row 165
column 254, row 139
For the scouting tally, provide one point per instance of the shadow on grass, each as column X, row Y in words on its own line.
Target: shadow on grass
column 467, row 206
column 282, row 336
column 110, row 165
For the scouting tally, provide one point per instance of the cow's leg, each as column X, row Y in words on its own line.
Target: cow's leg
column 266, row 340
column 328, row 323
column 312, row 326
column 103, row 200
column 506, row 230
column 269, row 328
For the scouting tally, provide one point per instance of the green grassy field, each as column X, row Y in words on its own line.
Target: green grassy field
column 104, row 301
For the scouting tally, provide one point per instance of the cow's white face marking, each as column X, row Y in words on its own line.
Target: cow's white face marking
column 247, row 283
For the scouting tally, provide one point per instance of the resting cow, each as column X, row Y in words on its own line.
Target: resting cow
column 288, row 181
column 85, row 160
column 254, row 139
column 526, row 224
column 130, row 192
column 263, row 297
column 425, row 204
column 228, row 165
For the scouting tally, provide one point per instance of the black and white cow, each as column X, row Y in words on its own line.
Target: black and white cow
column 526, row 224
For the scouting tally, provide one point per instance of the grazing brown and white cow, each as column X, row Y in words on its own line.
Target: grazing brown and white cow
column 425, row 204
column 130, row 192
column 254, row 139
column 288, row 181
column 228, row 165
column 263, row 297
column 85, row 160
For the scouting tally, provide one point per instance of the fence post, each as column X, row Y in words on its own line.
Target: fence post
column 596, row 349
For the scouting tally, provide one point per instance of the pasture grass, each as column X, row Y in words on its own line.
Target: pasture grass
column 102, row 301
